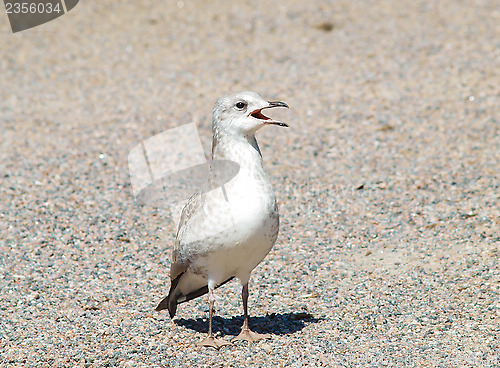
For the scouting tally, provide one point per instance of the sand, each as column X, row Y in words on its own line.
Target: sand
column 388, row 182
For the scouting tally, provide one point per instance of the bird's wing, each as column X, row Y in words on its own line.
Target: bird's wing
column 180, row 265
column 193, row 204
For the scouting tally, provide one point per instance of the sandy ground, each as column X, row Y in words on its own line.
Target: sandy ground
column 388, row 182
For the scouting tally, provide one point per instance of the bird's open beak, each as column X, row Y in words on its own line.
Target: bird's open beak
column 257, row 114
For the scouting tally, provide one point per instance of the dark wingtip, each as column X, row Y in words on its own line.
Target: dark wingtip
column 172, row 308
column 162, row 305
column 166, row 304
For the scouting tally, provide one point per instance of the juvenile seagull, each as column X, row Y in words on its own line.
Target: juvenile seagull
column 227, row 232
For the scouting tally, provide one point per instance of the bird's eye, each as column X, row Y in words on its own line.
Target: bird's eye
column 240, row 105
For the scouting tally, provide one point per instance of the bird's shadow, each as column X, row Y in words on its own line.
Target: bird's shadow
column 274, row 323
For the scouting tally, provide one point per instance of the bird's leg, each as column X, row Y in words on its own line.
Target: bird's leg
column 246, row 334
column 210, row 340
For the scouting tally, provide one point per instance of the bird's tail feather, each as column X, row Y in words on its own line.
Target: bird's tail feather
column 166, row 304
column 170, row 302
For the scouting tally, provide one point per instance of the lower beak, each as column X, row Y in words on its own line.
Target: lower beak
column 275, row 122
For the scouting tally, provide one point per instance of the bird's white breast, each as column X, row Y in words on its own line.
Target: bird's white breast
column 240, row 222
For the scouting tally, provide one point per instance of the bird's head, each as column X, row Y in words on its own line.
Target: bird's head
column 241, row 113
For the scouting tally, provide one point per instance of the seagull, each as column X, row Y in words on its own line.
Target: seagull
column 226, row 232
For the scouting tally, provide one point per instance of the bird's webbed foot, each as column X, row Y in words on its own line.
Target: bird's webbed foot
column 250, row 336
column 212, row 342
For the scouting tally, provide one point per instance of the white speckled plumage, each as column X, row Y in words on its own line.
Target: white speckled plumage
column 227, row 232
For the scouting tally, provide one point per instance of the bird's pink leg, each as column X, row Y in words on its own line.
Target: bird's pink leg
column 246, row 334
column 210, row 340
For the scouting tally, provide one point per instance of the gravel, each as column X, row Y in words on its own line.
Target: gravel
column 388, row 182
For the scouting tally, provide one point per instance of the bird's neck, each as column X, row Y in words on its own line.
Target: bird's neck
column 251, row 181
column 243, row 150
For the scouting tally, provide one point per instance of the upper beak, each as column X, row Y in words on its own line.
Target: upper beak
column 277, row 104
column 258, row 113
